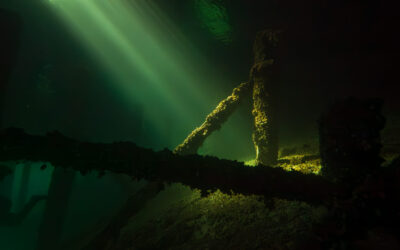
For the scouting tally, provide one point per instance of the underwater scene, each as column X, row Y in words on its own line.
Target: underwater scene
column 199, row 124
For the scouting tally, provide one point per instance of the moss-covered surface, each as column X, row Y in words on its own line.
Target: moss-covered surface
column 265, row 132
column 223, row 221
column 304, row 159
column 265, row 137
column 198, row 172
column 231, row 221
column 214, row 120
column 306, row 164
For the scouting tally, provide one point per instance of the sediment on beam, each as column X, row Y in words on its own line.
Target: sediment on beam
column 200, row 172
column 214, row 120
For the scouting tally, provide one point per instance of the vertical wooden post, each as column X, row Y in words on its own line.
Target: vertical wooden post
column 264, row 77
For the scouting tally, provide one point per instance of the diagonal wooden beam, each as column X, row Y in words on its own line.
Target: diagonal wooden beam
column 214, row 120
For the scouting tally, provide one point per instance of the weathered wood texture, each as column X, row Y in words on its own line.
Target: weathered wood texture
column 214, row 120
column 201, row 172
column 264, row 75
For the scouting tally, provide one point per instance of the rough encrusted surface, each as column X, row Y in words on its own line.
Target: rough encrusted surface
column 214, row 120
column 264, row 76
column 200, row 172
column 225, row 221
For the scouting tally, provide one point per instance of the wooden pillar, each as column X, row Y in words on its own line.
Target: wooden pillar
column 264, row 75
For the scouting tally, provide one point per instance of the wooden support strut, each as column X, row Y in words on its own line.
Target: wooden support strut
column 264, row 75
column 214, row 120
column 262, row 80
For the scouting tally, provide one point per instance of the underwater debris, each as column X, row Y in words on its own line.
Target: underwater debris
column 214, row 120
column 350, row 153
column 199, row 172
column 350, row 139
column 225, row 221
column 307, row 164
column 264, row 75
column 309, row 150
column 362, row 205
column 110, row 235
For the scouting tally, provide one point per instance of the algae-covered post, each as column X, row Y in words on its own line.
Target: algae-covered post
column 264, row 77
column 263, row 81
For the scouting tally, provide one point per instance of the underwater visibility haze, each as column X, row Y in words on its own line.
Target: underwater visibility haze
column 256, row 87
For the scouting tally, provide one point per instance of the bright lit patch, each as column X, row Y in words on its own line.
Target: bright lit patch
column 251, row 163
column 154, row 68
column 296, row 162
column 152, row 62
